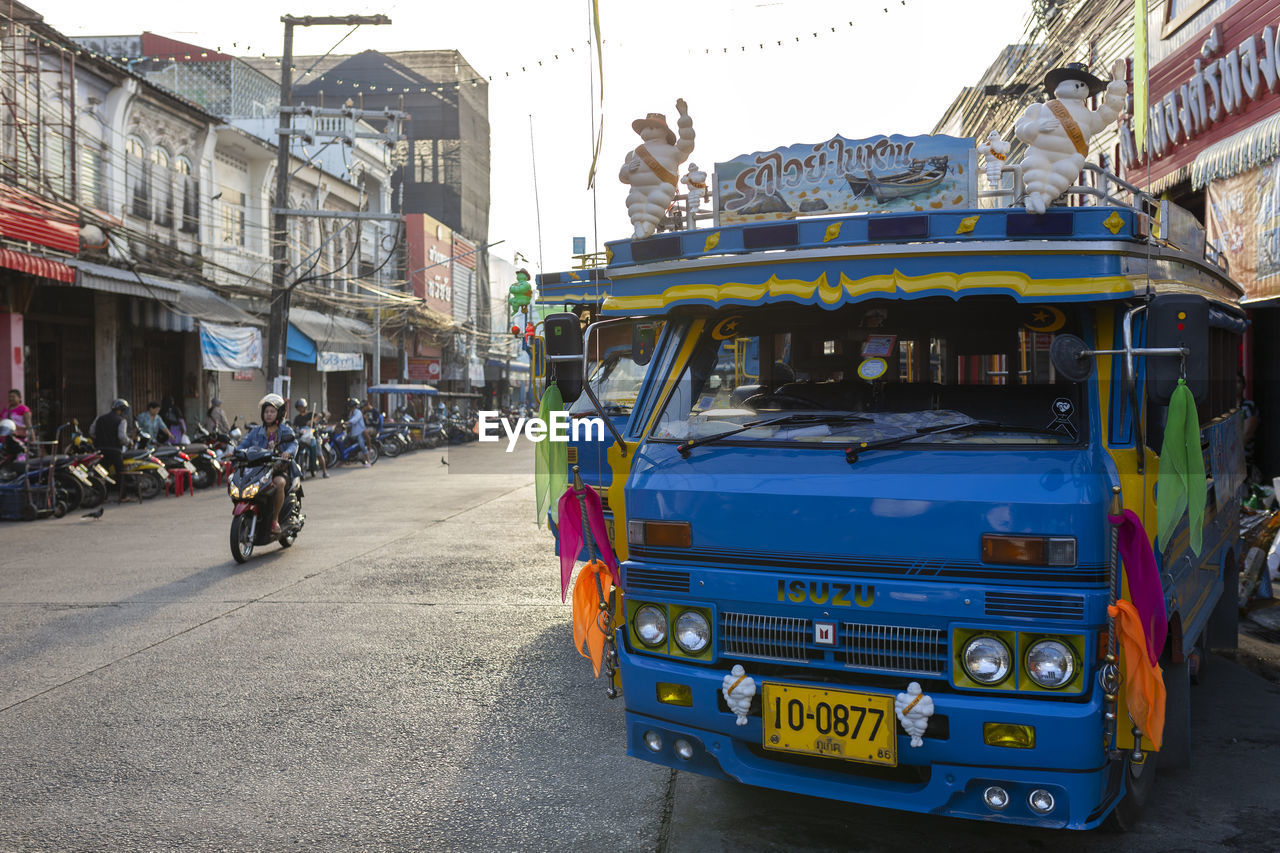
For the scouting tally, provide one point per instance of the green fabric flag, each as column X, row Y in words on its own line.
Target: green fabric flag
column 551, row 459
column 1181, row 486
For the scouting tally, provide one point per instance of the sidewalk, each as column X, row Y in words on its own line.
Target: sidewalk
column 1259, row 649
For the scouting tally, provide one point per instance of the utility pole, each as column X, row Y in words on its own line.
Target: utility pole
column 278, row 325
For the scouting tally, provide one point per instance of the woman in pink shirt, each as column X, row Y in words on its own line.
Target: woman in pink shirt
column 18, row 413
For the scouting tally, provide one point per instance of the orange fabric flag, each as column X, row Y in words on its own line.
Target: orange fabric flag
column 586, row 611
column 1143, row 682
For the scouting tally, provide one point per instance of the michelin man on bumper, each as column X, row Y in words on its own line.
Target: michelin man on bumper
column 1057, row 132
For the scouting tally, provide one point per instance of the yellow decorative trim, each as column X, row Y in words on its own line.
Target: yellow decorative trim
column 574, row 276
column 833, row 231
column 966, row 224
column 1114, row 222
column 820, row 290
column 608, row 255
column 713, row 240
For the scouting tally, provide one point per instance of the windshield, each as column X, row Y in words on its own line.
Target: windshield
column 612, row 369
column 906, row 369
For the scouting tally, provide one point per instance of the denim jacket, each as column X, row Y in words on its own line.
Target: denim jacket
column 286, row 440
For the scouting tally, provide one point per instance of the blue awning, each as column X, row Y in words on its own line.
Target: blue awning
column 299, row 347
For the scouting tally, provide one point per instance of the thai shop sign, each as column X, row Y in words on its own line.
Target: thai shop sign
column 230, row 348
column 880, row 174
column 1211, row 87
column 330, row 362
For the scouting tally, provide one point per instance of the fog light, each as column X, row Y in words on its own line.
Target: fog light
column 653, row 740
column 996, row 798
column 683, row 748
column 675, row 694
column 1009, row 734
column 1041, row 801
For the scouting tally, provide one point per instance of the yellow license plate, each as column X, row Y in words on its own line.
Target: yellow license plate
column 830, row 723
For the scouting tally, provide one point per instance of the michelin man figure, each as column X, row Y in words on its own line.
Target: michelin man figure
column 1057, row 132
column 695, row 180
column 994, row 150
column 650, row 170
column 914, row 710
column 738, row 689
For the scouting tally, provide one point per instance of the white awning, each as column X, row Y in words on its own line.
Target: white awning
column 1241, row 152
column 330, row 332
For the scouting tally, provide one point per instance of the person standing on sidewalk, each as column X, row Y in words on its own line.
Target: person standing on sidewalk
column 110, row 437
column 19, row 413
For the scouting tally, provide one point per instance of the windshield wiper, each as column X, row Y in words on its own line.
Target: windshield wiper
column 814, row 418
column 851, row 453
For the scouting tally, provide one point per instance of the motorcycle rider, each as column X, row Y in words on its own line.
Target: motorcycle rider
column 307, row 420
column 275, row 434
column 356, row 427
column 110, row 437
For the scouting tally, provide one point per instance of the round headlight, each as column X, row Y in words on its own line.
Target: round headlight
column 651, row 625
column 692, row 632
column 1050, row 663
column 986, row 660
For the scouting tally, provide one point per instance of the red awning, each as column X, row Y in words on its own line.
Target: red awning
column 29, row 218
column 36, row 265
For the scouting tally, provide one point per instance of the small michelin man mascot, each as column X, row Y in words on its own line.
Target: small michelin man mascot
column 696, row 182
column 1057, row 132
column 995, row 150
column 738, row 689
column 650, row 170
column 914, row 710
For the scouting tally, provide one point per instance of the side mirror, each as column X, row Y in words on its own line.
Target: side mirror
column 1071, row 357
column 1175, row 320
column 565, row 354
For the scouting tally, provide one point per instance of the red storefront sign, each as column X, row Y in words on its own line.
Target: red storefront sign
column 1223, row 80
column 430, row 261
column 424, row 369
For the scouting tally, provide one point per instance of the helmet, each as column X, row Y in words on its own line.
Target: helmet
column 271, row 400
column 120, row 403
column 352, row 401
column 216, row 401
column 302, row 403
column 7, row 427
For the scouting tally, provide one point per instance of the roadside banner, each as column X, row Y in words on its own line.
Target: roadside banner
column 230, row 348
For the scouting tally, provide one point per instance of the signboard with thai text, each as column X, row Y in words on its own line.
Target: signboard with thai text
column 423, row 369
column 1222, row 81
column 879, row 174
column 329, row 362
column 430, row 261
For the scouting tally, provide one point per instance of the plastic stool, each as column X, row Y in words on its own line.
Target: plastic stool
column 179, row 480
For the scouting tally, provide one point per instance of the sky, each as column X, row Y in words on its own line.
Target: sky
column 756, row 75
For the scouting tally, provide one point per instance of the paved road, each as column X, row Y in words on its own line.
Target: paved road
column 403, row 679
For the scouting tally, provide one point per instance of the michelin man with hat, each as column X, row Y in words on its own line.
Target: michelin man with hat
column 1057, row 132
column 650, row 170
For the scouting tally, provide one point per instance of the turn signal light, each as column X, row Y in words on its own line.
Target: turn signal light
column 660, row 534
column 1029, row 550
column 675, row 694
column 1009, row 734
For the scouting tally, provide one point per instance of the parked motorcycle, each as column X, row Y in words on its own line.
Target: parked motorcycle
column 347, row 449
column 253, row 493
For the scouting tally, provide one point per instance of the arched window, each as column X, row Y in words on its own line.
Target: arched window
column 190, row 196
column 137, row 169
column 163, row 187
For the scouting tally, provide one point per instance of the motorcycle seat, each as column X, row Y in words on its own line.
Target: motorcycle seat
column 195, row 447
column 43, row 462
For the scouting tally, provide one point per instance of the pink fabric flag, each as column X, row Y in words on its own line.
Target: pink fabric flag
column 570, row 523
column 1145, row 590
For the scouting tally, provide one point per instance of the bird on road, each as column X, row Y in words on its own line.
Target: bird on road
column 443, row 461
column 94, row 515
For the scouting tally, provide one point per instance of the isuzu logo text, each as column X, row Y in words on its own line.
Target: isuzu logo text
column 561, row 427
column 821, row 592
